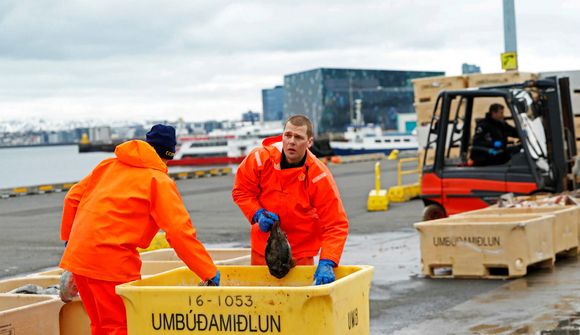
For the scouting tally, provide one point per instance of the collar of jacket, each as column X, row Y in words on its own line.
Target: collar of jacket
column 274, row 147
column 140, row 154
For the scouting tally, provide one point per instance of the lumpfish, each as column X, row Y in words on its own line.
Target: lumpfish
column 208, row 282
column 278, row 252
column 68, row 288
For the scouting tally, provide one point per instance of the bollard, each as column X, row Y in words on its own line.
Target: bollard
column 394, row 155
column 378, row 199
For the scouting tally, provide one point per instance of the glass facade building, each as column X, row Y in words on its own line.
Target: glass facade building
column 273, row 103
column 327, row 96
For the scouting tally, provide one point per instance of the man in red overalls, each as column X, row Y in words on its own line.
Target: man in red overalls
column 117, row 208
column 283, row 180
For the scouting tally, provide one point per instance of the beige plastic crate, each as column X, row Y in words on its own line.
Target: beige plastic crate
column 486, row 247
column 424, row 112
column 564, row 231
column 502, row 78
column 427, row 89
column 72, row 318
column 29, row 314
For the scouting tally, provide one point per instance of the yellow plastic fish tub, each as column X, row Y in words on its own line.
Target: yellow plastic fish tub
column 564, row 230
column 29, row 314
column 486, row 246
column 249, row 301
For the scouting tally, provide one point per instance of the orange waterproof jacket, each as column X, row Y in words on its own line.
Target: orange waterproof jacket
column 305, row 198
column 120, row 206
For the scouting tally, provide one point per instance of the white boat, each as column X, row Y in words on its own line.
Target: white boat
column 223, row 146
column 369, row 139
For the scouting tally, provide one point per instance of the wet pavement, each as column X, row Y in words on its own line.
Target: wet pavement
column 401, row 301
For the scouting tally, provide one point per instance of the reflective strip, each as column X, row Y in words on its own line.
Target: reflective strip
column 278, row 145
column 317, row 178
column 258, row 160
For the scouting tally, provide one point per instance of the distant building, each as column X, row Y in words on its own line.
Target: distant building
column 250, row 116
column 273, row 103
column 327, row 96
column 470, row 68
column 100, row 134
column 210, row 126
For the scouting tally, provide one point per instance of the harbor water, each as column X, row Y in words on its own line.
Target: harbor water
column 30, row 166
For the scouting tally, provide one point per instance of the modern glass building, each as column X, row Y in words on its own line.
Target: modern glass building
column 273, row 103
column 327, row 96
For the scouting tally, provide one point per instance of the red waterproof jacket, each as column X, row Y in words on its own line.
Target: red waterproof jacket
column 120, row 206
column 305, row 198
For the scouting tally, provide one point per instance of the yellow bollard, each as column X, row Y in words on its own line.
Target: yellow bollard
column 394, row 155
column 378, row 200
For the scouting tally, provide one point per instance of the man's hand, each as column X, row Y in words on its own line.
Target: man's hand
column 265, row 219
column 324, row 272
column 68, row 289
column 216, row 279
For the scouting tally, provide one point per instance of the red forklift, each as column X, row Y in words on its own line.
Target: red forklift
column 544, row 155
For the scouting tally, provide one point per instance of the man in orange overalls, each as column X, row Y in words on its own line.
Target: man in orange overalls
column 283, row 180
column 117, row 208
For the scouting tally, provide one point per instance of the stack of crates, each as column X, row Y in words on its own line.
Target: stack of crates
column 498, row 242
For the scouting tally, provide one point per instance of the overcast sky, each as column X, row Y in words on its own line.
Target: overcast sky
column 201, row 60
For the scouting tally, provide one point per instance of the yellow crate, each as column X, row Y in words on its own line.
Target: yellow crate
column 502, row 78
column 484, row 246
column 565, row 228
column 28, row 314
column 250, row 300
column 158, row 242
column 232, row 256
column 162, row 260
column 427, row 89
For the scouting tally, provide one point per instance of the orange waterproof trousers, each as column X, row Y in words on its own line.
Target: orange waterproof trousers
column 258, row 259
column 105, row 308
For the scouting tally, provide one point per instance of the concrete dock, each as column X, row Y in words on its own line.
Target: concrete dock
column 402, row 301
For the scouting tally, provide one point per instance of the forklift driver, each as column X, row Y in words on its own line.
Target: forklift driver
column 491, row 139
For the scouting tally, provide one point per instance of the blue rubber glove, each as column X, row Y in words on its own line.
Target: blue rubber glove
column 492, row 152
column 216, row 279
column 497, row 144
column 324, row 272
column 265, row 219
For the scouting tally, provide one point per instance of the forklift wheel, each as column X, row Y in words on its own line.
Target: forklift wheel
column 433, row 212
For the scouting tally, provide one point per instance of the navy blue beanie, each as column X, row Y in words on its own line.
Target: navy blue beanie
column 162, row 139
